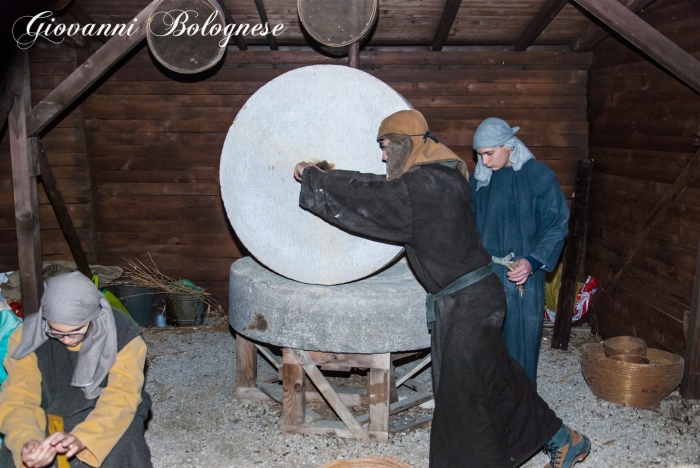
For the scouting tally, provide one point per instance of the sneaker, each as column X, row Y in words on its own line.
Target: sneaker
column 567, row 448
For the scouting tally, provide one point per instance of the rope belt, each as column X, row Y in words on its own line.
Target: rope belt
column 505, row 261
column 460, row 283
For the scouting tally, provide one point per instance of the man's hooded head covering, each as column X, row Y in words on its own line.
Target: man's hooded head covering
column 72, row 299
column 411, row 145
column 492, row 133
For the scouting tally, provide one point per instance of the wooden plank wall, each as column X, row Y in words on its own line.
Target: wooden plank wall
column 154, row 139
column 642, row 121
column 66, row 151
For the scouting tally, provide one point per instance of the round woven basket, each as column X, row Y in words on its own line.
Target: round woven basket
column 372, row 462
column 624, row 345
column 631, row 358
column 631, row 384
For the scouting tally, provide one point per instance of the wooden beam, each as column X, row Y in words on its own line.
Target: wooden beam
column 678, row 62
column 656, row 215
column 354, row 55
column 572, row 255
column 23, row 153
column 690, row 386
column 76, row 41
column 86, row 75
column 246, row 367
column 549, row 10
column 271, row 40
column 53, row 192
column 449, row 13
column 594, row 34
column 239, row 41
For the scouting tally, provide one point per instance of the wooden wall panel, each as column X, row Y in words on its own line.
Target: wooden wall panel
column 66, row 151
column 154, row 139
column 641, row 136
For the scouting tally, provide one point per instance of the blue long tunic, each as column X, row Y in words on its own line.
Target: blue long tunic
column 523, row 212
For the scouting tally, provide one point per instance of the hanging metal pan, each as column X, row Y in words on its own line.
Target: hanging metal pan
column 337, row 23
column 192, row 51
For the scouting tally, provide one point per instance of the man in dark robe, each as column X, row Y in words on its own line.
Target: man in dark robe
column 487, row 412
column 522, row 217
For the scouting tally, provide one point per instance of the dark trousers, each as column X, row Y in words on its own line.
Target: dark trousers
column 487, row 411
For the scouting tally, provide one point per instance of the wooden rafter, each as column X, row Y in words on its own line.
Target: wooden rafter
column 448, row 18
column 678, row 62
column 594, row 34
column 545, row 16
column 271, row 40
column 86, row 75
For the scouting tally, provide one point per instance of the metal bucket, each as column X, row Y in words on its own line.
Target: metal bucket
column 140, row 302
column 184, row 310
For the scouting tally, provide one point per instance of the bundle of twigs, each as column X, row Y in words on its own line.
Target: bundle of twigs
column 147, row 276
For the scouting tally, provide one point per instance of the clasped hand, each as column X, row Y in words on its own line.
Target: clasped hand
column 37, row 454
column 521, row 273
column 299, row 169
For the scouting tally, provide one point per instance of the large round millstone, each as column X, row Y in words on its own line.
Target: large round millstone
column 381, row 314
column 315, row 113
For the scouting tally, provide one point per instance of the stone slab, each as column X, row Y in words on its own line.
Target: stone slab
column 315, row 113
column 381, row 314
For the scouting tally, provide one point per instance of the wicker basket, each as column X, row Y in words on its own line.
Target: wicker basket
column 636, row 385
column 631, row 358
column 624, row 345
column 372, row 462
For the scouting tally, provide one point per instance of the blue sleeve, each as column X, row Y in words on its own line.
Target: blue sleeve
column 534, row 263
column 553, row 226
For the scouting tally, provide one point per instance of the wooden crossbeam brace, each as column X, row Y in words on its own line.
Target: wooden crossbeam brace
column 23, row 153
column 327, row 391
column 446, row 21
column 538, row 24
column 594, row 34
column 416, row 369
column 86, row 75
column 656, row 215
column 572, row 255
column 271, row 40
column 53, row 192
column 679, row 63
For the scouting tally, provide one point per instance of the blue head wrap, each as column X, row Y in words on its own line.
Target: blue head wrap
column 494, row 132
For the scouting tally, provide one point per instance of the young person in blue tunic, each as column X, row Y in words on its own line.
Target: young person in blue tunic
column 522, row 217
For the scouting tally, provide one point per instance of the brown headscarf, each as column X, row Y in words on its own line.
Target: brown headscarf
column 424, row 149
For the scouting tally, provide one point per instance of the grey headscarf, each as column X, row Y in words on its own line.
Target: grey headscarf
column 494, row 132
column 72, row 299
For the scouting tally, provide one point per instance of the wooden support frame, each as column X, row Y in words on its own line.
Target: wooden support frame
column 23, row 152
column 298, row 367
column 239, row 41
column 549, row 10
column 675, row 60
column 271, row 40
column 446, row 21
column 86, row 75
column 354, row 55
column 12, row 81
column 690, row 386
column 572, row 255
column 53, row 192
column 594, row 34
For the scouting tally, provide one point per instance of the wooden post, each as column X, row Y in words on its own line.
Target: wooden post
column 53, row 192
column 271, row 40
column 678, row 62
column 354, row 55
column 293, row 392
column 246, row 366
column 11, row 82
column 379, row 401
column 23, row 153
column 572, row 255
column 690, row 386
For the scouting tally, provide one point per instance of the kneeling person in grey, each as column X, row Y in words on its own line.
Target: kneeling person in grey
column 74, row 391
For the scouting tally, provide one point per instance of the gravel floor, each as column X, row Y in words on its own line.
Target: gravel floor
column 197, row 422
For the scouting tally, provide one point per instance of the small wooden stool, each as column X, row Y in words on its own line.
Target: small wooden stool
column 298, row 365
